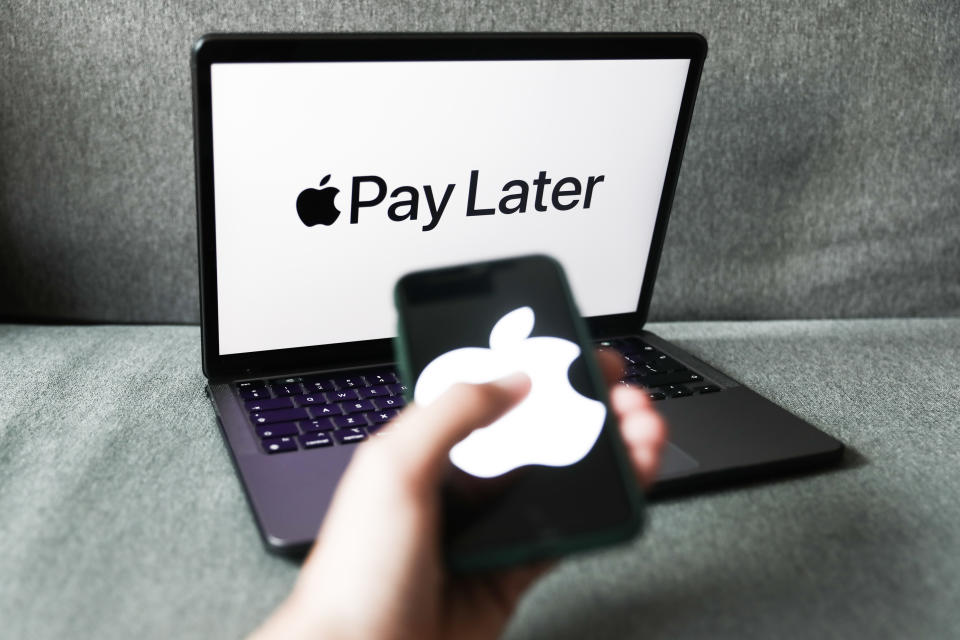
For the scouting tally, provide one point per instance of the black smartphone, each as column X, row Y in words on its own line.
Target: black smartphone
column 551, row 476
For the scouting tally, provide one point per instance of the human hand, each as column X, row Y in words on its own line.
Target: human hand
column 376, row 569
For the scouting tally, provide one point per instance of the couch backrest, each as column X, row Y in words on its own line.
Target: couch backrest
column 821, row 177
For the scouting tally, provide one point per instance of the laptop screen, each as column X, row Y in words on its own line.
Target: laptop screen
column 333, row 179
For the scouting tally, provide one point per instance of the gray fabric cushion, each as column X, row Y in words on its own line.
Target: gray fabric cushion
column 821, row 176
column 122, row 516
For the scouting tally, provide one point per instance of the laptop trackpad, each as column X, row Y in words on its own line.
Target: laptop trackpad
column 675, row 461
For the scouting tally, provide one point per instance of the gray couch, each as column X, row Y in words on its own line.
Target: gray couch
column 813, row 253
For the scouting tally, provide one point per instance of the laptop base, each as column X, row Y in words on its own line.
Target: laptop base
column 715, row 440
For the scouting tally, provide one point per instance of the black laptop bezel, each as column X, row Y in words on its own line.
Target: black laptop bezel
column 225, row 48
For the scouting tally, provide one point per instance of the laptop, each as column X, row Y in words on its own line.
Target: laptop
column 330, row 165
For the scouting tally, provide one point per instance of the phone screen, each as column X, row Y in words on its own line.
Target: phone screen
column 548, row 477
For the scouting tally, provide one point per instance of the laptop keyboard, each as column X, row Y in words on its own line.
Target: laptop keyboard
column 324, row 410
column 327, row 410
column 660, row 375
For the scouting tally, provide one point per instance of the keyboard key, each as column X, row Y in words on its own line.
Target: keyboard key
column 670, row 388
column 315, row 440
column 397, row 389
column 649, row 369
column 281, row 390
column 676, row 377
column 287, row 380
column 665, row 363
column 656, row 395
column 379, row 417
column 279, row 415
column 710, row 388
column 356, row 420
column 348, row 382
column 349, row 436
column 318, row 424
column 634, row 370
column 279, row 445
column 314, row 384
column 680, row 393
column 611, row 344
column 385, row 377
column 251, row 384
column 632, row 345
column 359, row 406
column 255, row 394
column 340, row 396
column 374, row 392
column 394, row 402
column 269, row 403
column 638, row 359
column 277, row 429
column 326, row 410
column 308, row 399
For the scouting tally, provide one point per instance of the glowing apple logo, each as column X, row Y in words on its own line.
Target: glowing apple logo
column 553, row 426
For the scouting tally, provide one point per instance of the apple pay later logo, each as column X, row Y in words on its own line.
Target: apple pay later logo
column 427, row 205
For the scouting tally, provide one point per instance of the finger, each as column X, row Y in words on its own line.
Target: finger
column 612, row 365
column 422, row 437
column 642, row 428
column 644, row 434
column 643, row 425
column 625, row 399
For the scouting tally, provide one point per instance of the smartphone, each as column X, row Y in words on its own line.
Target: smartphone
column 551, row 476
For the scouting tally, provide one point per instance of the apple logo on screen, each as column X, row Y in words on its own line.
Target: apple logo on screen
column 315, row 206
column 554, row 425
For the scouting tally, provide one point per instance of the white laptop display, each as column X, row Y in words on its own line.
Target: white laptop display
column 430, row 143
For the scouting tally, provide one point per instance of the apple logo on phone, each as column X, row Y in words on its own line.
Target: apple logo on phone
column 316, row 206
column 554, row 425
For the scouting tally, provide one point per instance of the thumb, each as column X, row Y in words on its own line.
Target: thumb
column 423, row 436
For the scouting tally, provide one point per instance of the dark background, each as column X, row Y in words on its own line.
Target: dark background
column 821, row 177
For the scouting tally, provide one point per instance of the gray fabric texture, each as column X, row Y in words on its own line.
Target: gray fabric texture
column 821, row 177
column 122, row 516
